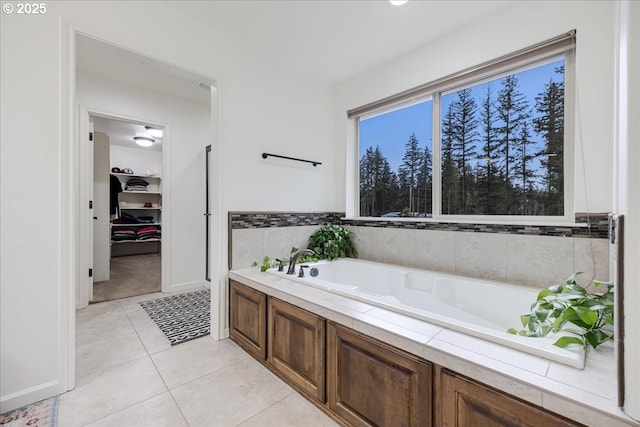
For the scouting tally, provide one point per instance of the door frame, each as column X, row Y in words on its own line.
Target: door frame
column 74, row 273
column 84, row 289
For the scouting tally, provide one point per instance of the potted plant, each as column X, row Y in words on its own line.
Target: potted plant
column 568, row 307
column 332, row 242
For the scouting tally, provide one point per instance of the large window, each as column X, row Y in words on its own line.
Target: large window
column 487, row 144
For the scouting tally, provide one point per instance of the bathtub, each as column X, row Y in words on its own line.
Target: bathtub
column 457, row 303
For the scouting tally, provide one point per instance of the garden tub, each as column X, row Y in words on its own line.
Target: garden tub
column 481, row 308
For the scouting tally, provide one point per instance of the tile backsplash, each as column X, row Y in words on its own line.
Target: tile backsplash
column 529, row 259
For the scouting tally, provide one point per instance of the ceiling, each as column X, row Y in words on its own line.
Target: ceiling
column 335, row 40
column 121, row 132
column 328, row 40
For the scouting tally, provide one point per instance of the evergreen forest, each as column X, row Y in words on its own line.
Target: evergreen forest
column 501, row 154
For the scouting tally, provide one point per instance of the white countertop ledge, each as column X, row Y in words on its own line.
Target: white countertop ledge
column 587, row 396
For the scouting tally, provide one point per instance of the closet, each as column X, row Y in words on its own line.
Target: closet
column 127, row 246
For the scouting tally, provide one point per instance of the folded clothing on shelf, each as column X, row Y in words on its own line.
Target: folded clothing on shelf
column 125, row 218
column 136, row 184
column 149, row 233
column 145, row 219
column 120, row 234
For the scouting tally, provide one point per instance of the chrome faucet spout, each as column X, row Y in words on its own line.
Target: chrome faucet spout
column 294, row 259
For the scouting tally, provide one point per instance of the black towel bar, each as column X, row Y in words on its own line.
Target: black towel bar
column 313, row 162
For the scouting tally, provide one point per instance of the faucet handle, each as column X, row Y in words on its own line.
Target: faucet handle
column 279, row 264
column 301, row 272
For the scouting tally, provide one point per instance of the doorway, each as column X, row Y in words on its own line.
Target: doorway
column 127, row 208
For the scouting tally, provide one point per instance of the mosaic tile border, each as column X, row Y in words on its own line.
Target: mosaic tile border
column 598, row 229
column 239, row 220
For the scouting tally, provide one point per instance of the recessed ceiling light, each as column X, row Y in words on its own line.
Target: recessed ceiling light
column 398, row 2
column 144, row 141
column 154, row 131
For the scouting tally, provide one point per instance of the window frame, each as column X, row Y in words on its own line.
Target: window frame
column 560, row 47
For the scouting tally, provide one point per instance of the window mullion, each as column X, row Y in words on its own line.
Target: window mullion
column 436, row 191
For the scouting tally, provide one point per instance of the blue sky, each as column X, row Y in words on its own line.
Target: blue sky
column 391, row 131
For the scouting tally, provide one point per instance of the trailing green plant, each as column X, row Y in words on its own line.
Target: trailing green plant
column 268, row 262
column 332, row 242
column 568, row 307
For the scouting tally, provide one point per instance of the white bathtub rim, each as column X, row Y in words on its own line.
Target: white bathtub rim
column 542, row 347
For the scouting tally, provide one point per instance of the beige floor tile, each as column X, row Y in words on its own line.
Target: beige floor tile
column 132, row 304
column 292, row 411
column 151, row 336
column 158, row 411
column 109, row 391
column 98, row 313
column 110, row 351
column 188, row 361
column 230, row 395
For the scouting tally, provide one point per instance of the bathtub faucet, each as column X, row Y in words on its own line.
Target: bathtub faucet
column 294, row 259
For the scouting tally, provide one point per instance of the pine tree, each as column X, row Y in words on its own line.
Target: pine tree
column 425, row 182
column 377, row 183
column 449, row 172
column 550, row 125
column 488, row 183
column 513, row 112
column 409, row 169
column 523, row 174
column 464, row 141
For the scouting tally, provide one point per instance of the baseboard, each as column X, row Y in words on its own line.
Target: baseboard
column 180, row 287
column 29, row 395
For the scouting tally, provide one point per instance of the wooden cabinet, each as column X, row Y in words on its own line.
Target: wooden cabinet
column 247, row 319
column 362, row 381
column 370, row 383
column 466, row 403
column 296, row 346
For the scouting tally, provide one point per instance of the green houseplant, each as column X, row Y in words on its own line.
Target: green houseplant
column 332, row 242
column 568, row 307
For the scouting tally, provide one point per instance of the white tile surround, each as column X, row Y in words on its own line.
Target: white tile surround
column 537, row 261
column 587, row 396
column 129, row 375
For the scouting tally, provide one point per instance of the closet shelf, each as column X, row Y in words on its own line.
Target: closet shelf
column 137, row 224
column 139, row 209
column 117, row 242
column 136, row 175
column 151, row 193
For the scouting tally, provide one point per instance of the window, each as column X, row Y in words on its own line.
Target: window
column 499, row 142
column 395, row 162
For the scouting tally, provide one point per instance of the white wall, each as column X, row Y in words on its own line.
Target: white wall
column 262, row 108
column 190, row 131
column 140, row 160
column 31, row 224
column 521, row 25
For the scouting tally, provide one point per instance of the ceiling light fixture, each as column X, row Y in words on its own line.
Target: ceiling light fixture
column 144, row 141
column 398, row 2
column 154, row 131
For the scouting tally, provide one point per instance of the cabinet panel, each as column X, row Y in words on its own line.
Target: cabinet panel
column 466, row 403
column 370, row 383
column 296, row 346
column 247, row 322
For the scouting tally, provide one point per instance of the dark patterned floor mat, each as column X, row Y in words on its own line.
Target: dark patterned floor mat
column 181, row 317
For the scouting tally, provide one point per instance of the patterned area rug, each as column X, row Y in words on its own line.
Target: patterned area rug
column 39, row 414
column 181, row 317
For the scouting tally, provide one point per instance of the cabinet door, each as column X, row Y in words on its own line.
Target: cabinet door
column 466, row 403
column 296, row 347
column 370, row 383
column 248, row 315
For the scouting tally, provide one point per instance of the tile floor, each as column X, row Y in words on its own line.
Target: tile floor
column 127, row 374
